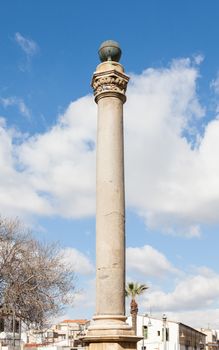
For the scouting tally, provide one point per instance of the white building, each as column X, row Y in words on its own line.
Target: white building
column 212, row 338
column 163, row 334
column 64, row 335
column 68, row 333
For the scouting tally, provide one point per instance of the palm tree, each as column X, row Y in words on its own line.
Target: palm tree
column 132, row 290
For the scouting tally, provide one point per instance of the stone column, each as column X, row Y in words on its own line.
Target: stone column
column 109, row 327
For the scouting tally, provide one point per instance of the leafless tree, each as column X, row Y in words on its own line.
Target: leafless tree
column 34, row 281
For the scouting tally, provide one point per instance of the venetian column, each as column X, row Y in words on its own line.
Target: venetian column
column 109, row 327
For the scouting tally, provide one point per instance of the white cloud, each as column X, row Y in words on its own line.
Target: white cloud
column 215, row 84
column 51, row 173
column 191, row 293
column 77, row 261
column 30, row 49
column 186, row 298
column 198, row 58
column 29, row 46
column 84, row 302
column 171, row 182
column 61, row 163
column 15, row 101
column 148, row 261
column 17, row 196
column 86, row 298
column 208, row 318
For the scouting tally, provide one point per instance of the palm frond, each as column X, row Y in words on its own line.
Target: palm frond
column 134, row 288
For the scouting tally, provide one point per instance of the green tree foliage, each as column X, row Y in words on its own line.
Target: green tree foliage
column 133, row 289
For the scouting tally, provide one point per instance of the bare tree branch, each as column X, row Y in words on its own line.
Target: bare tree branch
column 34, row 282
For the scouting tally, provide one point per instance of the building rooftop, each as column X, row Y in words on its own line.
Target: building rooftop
column 75, row 321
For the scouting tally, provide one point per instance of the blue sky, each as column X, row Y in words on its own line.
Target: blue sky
column 48, row 132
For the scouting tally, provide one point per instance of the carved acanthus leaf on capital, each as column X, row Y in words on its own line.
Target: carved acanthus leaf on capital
column 107, row 82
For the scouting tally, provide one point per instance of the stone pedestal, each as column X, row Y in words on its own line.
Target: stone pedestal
column 108, row 329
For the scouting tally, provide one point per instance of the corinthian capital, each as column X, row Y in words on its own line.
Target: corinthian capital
column 109, row 83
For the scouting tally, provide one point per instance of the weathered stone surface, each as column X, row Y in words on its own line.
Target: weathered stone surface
column 109, row 330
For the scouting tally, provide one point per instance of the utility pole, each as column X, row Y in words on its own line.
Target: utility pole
column 13, row 326
column 164, row 332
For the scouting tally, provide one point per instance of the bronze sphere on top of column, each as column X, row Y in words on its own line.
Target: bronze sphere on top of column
column 109, row 51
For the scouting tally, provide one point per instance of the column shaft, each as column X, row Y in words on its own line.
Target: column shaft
column 108, row 329
column 110, row 211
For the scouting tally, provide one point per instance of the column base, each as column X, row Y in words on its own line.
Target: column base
column 108, row 332
column 111, row 342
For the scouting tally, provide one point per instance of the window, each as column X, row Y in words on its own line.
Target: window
column 158, row 333
column 1, row 325
column 16, row 326
column 49, row 335
column 167, row 334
